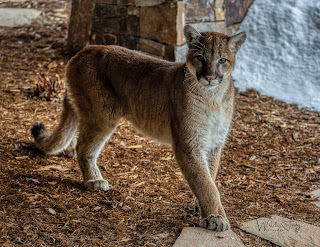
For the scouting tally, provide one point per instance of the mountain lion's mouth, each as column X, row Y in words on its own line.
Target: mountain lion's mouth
column 211, row 83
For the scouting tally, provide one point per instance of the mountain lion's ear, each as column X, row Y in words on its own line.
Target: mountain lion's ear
column 236, row 41
column 191, row 34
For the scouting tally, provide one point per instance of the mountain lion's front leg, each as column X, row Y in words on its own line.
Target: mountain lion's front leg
column 214, row 163
column 195, row 169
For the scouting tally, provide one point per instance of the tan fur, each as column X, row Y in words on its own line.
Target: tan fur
column 171, row 102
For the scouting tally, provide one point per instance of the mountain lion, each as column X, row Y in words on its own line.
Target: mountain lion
column 188, row 105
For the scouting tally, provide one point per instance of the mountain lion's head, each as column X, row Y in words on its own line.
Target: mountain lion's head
column 211, row 55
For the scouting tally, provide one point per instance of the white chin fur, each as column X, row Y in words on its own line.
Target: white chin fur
column 212, row 84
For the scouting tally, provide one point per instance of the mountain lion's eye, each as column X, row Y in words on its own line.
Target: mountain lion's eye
column 200, row 58
column 222, row 60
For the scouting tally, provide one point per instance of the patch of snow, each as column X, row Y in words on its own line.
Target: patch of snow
column 281, row 56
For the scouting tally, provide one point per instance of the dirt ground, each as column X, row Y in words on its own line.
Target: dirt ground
column 270, row 163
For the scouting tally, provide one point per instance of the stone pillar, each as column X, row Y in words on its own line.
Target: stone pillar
column 152, row 26
column 161, row 28
column 163, row 23
column 79, row 29
column 116, row 23
column 206, row 15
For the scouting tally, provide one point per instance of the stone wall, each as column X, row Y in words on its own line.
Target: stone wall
column 152, row 26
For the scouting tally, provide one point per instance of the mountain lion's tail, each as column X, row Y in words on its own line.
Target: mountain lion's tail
column 62, row 137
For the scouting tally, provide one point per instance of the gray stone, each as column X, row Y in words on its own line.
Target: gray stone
column 103, row 38
column 52, row 211
column 233, row 29
column 106, row 1
column 236, row 10
column 148, row 3
column 112, row 25
column 103, row 11
column 315, row 194
column 132, row 10
column 130, row 42
column 284, row 232
column 163, row 23
column 16, row 17
column 109, row 39
column 173, row 53
column 219, row 14
column 219, row 3
column 125, row 2
column 169, row 53
column 195, row 236
column 219, row 26
column 128, row 25
column 317, row 203
column 132, row 25
column 198, row 11
column 152, row 47
column 180, row 53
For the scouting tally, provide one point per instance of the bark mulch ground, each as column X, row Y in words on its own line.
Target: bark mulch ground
column 270, row 163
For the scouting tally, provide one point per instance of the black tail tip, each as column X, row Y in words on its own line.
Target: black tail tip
column 38, row 129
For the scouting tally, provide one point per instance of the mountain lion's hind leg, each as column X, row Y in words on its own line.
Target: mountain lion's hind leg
column 70, row 151
column 92, row 137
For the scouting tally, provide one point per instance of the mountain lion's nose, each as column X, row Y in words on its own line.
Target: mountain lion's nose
column 210, row 78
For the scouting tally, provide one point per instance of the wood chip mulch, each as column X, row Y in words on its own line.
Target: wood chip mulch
column 270, row 163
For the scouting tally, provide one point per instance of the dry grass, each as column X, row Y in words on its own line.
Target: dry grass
column 270, row 163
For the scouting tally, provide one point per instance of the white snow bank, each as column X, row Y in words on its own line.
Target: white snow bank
column 281, row 56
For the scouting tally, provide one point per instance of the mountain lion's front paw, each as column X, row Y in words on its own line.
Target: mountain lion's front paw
column 99, row 184
column 216, row 223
